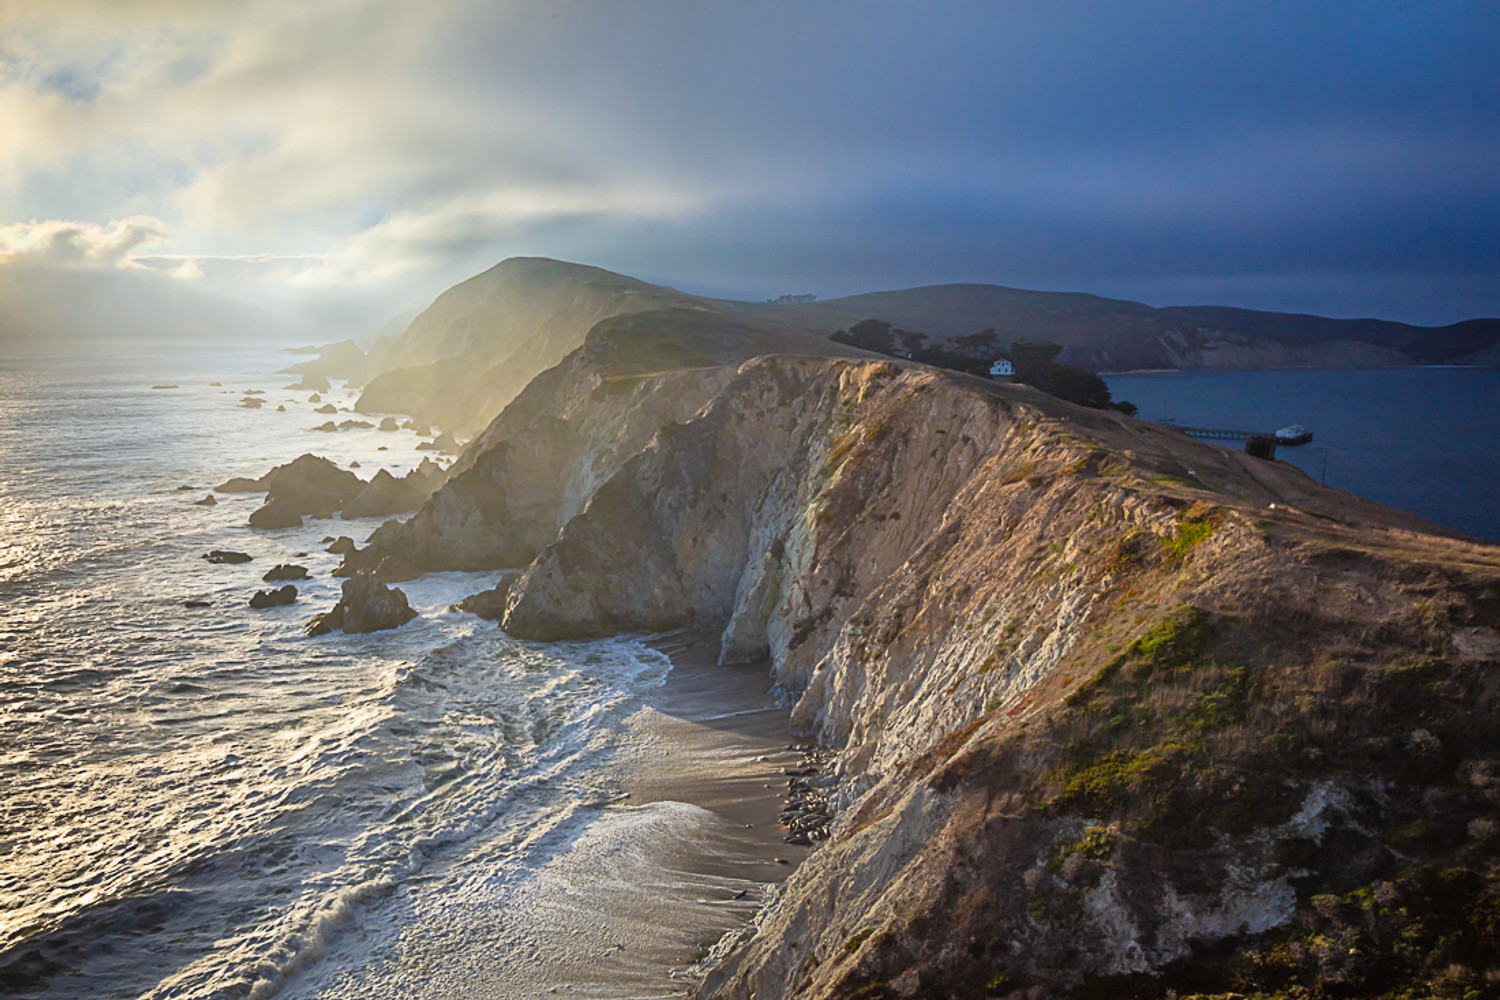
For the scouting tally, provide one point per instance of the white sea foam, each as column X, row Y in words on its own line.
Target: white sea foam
column 202, row 803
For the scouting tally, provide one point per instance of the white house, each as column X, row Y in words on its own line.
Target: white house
column 1002, row 367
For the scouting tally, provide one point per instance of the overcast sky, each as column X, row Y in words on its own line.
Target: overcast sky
column 314, row 166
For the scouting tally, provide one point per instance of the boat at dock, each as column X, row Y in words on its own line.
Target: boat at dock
column 1294, row 434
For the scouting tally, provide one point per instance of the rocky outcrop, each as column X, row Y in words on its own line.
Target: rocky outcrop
column 308, row 486
column 277, row 598
column 227, row 556
column 1112, row 707
column 367, row 605
column 285, row 571
column 385, row 495
column 490, row 604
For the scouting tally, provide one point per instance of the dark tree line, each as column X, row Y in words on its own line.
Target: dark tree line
column 1035, row 363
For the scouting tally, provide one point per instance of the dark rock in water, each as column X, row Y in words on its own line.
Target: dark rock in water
column 285, row 571
column 382, row 448
column 186, row 489
column 444, row 442
column 327, row 408
column 490, row 604
column 226, row 556
column 386, row 495
column 255, row 392
column 342, row 545
column 195, row 604
column 239, row 484
column 349, row 425
column 315, row 398
column 312, row 381
column 389, row 424
column 353, row 465
column 280, row 597
column 327, row 539
column 281, row 409
column 328, row 426
column 367, row 606
column 252, row 404
column 422, row 430
column 275, row 514
column 207, row 501
column 308, row 486
column 164, row 387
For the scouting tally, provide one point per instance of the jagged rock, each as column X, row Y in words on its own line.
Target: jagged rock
column 327, row 426
column 315, row 398
column 285, row 571
column 195, row 604
column 280, row 597
column 207, row 501
column 490, row 604
column 313, row 381
column 252, row 404
column 327, row 539
column 367, row 605
column 308, row 486
column 281, row 409
column 386, row 495
column 389, row 424
column 349, row 425
column 341, row 545
column 275, row 514
column 444, row 442
column 218, row 556
column 327, row 408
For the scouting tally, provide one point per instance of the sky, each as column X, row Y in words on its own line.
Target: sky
column 307, row 169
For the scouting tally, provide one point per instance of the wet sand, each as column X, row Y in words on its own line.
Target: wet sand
column 644, row 887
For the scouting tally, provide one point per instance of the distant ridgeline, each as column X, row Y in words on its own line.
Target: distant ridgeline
column 1035, row 363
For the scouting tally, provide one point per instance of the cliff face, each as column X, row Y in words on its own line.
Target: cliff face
column 1117, row 710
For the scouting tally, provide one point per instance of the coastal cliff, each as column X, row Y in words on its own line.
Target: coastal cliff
column 1116, row 712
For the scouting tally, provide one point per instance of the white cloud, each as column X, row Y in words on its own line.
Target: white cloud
column 59, row 243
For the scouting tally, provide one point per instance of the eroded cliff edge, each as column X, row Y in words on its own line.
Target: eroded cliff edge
column 1116, row 710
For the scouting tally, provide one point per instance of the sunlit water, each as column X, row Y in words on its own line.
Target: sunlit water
column 1426, row 440
column 204, row 802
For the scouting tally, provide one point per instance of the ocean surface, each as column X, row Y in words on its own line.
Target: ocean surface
column 1426, row 440
column 206, row 803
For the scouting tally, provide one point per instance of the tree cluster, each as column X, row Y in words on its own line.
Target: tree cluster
column 1035, row 363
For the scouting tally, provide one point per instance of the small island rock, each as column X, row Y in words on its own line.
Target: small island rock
column 367, row 606
column 285, row 571
column 218, row 556
column 280, row 597
column 207, row 501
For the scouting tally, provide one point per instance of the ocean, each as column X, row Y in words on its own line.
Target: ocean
column 206, row 803
column 1426, row 440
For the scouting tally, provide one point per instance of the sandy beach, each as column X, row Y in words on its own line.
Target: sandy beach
column 638, row 890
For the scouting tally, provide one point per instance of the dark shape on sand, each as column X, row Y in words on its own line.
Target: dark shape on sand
column 226, row 556
column 280, row 597
column 367, row 606
column 285, row 571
